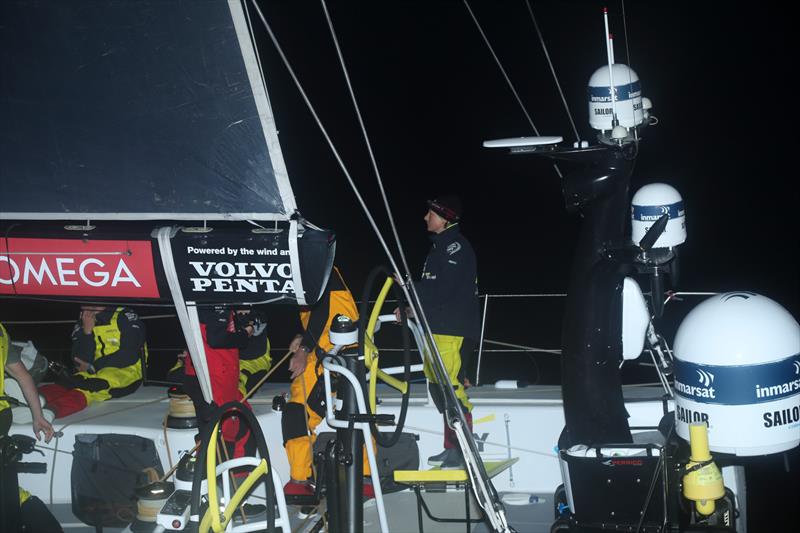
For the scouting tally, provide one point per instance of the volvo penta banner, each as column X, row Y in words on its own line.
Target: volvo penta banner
column 77, row 267
column 244, row 266
column 227, row 266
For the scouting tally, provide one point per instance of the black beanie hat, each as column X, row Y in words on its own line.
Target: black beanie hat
column 448, row 207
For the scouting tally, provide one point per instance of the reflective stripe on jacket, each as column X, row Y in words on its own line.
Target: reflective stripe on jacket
column 117, row 356
column 337, row 299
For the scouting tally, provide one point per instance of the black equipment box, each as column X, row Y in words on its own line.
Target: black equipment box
column 612, row 487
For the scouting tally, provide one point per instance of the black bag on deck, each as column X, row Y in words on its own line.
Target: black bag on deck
column 105, row 471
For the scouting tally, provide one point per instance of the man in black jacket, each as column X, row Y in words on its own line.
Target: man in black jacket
column 108, row 347
column 448, row 292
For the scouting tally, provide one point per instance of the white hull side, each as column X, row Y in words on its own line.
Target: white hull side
column 529, row 420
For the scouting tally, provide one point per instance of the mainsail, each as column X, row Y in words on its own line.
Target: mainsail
column 135, row 110
column 132, row 117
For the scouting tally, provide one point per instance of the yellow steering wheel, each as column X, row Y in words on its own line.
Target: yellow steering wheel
column 372, row 353
column 214, row 519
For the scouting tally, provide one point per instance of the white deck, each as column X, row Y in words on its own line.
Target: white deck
column 523, row 423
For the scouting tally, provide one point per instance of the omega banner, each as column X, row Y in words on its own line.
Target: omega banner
column 228, row 266
column 74, row 267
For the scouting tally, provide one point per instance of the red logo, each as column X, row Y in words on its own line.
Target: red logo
column 72, row 267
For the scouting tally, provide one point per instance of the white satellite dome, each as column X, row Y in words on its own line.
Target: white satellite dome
column 628, row 102
column 649, row 204
column 737, row 368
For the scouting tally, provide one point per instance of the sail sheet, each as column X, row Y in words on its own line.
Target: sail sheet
column 133, row 110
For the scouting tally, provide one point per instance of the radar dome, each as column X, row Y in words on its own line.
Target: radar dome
column 628, row 101
column 649, row 204
column 737, row 368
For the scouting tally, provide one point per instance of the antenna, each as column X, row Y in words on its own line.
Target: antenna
column 611, row 47
column 610, row 53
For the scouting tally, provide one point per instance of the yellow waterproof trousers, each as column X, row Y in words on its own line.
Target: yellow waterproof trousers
column 450, row 350
column 299, row 450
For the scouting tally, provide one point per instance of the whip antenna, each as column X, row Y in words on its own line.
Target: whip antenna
column 610, row 53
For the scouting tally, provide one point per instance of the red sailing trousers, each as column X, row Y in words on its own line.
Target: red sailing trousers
column 223, row 371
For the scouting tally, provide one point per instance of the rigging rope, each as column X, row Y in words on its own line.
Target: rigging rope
column 552, row 70
column 500, row 66
column 625, row 30
column 375, row 168
column 505, row 75
column 325, row 134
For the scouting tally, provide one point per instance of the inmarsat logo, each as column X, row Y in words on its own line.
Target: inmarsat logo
column 797, row 367
column 706, row 378
column 705, row 390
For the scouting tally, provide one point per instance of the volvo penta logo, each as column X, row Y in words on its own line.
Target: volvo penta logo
column 706, row 378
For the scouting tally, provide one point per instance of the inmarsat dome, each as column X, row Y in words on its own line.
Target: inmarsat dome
column 737, row 368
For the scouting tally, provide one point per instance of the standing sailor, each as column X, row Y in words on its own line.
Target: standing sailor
column 255, row 359
column 224, row 332
column 108, row 347
column 448, row 292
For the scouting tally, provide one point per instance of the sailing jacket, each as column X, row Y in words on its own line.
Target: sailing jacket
column 448, row 289
column 316, row 320
column 114, row 348
column 222, row 339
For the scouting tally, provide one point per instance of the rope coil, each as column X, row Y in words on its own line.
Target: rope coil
column 181, row 406
column 152, row 496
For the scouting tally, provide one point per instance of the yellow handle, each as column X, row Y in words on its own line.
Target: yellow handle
column 371, row 352
column 211, row 478
column 211, row 518
column 236, row 499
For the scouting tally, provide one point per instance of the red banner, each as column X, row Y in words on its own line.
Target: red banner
column 73, row 267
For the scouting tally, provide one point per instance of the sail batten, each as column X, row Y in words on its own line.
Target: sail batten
column 135, row 111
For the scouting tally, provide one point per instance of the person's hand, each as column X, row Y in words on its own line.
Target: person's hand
column 409, row 313
column 298, row 362
column 295, row 344
column 184, row 354
column 88, row 320
column 81, row 365
column 40, row 425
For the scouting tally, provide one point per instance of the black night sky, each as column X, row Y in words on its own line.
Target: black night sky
column 430, row 93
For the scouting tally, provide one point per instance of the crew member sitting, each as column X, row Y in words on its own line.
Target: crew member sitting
column 33, row 514
column 108, row 347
